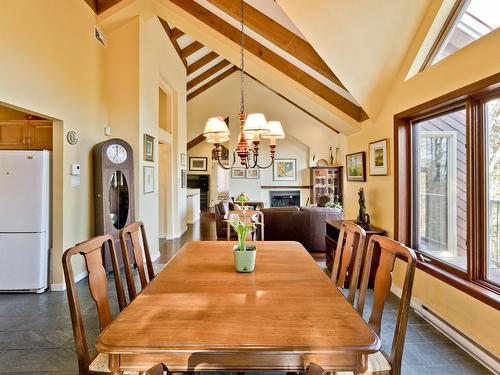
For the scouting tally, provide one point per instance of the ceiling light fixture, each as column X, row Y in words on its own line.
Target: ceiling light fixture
column 252, row 126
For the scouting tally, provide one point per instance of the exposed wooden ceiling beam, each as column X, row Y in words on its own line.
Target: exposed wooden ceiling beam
column 168, row 31
column 201, row 62
column 190, row 49
column 175, row 33
column 207, row 74
column 295, row 104
column 99, row 6
column 212, row 82
column 273, row 59
column 195, row 141
column 278, row 35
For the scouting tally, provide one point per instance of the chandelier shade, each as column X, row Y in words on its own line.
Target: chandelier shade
column 216, row 130
column 256, row 123
column 275, row 132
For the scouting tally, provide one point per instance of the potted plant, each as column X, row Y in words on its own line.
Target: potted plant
column 244, row 255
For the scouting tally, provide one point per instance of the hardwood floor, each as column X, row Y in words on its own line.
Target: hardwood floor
column 36, row 336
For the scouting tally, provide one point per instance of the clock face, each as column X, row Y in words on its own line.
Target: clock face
column 116, row 153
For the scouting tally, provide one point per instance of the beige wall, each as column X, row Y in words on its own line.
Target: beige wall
column 51, row 65
column 473, row 317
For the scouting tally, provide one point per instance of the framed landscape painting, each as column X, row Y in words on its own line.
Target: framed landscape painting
column 238, row 172
column 285, row 170
column 149, row 143
column 379, row 160
column 253, row 173
column 355, row 165
column 198, row 164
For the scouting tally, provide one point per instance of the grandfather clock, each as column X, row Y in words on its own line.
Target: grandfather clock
column 113, row 191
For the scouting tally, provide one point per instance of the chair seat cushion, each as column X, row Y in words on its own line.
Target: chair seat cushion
column 377, row 363
column 100, row 364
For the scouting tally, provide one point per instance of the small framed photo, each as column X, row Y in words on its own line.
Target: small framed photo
column 355, row 165
column 197, row 164
column 253, row 173
column 183, row 160
column 238, row 172
column 379, row 158
column 149, row 179
column 183, row 179
column 149, row 144
column 285, row 170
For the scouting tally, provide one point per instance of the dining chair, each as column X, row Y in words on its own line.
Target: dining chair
column 130, row 234
column 92, row 250
column 348, row 257
column 248, row 216
column 381, row 363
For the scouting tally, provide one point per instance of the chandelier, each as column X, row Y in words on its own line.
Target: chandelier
column 252, row 126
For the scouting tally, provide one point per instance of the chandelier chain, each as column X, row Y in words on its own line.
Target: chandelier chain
column 242, row 66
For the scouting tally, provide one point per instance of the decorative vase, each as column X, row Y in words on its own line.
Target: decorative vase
column 244, row 261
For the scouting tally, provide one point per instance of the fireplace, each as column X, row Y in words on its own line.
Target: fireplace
column 285, row 198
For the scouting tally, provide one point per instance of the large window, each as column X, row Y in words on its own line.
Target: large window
column 468, row 21
column 440, row 183
column 492, row 112
column 447, row 205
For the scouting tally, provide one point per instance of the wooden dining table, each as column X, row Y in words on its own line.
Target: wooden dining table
column 199, row 314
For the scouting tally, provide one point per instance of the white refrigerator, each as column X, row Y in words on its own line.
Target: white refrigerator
column 24, row 220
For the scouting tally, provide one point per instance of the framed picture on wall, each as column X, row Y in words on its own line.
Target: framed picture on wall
column 379, row 158
column 148, row 146
column 253, row 173
column 148, row 179
column 238, row 172
column 198, row 164
column 285, row 170
column 183, row 179
column 183, row 160
column 355, row 166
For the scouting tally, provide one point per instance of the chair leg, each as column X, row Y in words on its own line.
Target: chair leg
column 156, row 370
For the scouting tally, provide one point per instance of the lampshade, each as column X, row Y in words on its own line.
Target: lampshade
column 215, row 126
column 216, row 138
column 275, row 130
column 256, row 123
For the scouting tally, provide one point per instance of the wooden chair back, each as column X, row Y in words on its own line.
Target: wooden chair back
column 92, row 251
column 139, row 252
column 351, row 243
column 247, row 216
column 389, row 251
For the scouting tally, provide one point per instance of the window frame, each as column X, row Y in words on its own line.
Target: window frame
column 474, row 97
column 455, row 13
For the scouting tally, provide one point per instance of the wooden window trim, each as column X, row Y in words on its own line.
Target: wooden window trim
column 472, row 96
column 452, row 18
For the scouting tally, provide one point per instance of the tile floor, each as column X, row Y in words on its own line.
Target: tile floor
column 36, row 336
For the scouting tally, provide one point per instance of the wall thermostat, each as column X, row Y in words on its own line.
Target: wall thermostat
column 72, row 137
column 75, row 169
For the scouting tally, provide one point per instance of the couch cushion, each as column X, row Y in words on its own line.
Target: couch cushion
column 325, row 210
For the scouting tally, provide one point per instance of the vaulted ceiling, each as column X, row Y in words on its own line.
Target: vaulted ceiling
column 206, row 35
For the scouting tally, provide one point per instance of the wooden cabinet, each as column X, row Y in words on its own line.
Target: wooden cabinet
column 26, row 135
column 326, row 181
column 332, row 237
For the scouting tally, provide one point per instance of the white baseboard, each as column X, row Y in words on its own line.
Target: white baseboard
column 62, row 287
column 481, row 354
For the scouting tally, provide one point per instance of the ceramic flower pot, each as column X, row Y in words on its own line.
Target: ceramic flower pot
column 244, row 261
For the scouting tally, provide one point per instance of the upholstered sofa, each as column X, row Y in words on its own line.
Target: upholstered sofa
column 305, row 224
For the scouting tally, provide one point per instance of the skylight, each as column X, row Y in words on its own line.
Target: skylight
column 476, row 19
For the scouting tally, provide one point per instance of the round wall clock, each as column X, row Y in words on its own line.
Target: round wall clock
column 72, row 137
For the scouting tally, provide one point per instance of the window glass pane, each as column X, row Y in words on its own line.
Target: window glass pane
column 440, row 187
column 478, row 18
column 493, row 125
